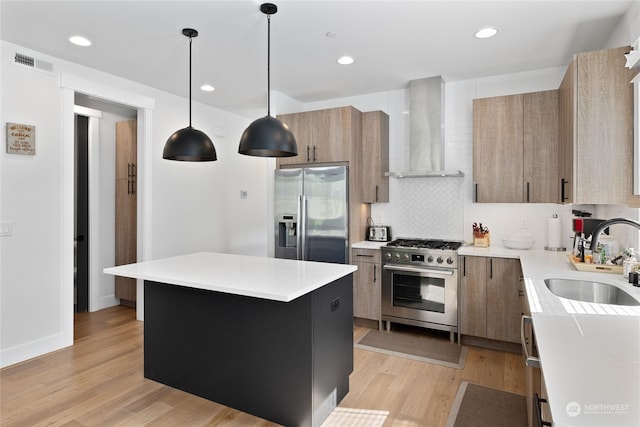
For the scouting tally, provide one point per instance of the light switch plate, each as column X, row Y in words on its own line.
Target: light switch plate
column 6, row 229
column 244, row 194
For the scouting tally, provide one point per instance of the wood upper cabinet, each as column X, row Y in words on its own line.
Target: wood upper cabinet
column 515, row 148
column 301, row 126
column 375, row 157
column 323, row 136
column 490, row 298
column 541, row 145
column 498, row 149
column 596, row 129
column 367, row 285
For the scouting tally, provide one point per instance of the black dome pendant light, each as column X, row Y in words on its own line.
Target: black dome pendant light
column 268, row 136
column 189, row 144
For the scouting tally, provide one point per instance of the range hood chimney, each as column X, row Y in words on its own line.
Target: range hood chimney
column 426, row 131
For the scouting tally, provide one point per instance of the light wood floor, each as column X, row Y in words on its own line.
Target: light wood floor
column 99, row 382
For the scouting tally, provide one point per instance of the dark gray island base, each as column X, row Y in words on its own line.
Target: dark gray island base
column 287, row 362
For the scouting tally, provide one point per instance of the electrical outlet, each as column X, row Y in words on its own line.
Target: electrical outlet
column 524, row 224
column 335, row 304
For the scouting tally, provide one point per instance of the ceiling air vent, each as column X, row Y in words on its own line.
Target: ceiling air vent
column 33, row 63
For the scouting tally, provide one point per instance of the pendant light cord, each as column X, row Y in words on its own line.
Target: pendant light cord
column 268, row 65
column 190, row 42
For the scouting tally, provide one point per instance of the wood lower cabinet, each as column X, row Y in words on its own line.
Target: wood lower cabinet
column 490, row 298
column 126, row 207
column 367, row 284
column 375, row 157
column 596, row 129
column 515, row 148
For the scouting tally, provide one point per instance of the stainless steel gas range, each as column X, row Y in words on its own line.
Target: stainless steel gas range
column 420, row 283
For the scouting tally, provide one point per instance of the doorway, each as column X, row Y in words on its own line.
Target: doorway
column 95, row 187
column 81, row 220
column 72, row 85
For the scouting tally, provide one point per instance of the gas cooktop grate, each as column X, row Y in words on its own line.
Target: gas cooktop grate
column 425, row 244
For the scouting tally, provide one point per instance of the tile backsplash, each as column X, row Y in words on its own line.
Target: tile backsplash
column 424, row 208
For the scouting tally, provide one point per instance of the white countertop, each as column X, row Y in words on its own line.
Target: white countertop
column 267, row 278
column 365, row 244
column 590, row 353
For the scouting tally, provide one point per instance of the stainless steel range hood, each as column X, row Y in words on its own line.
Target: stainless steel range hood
column 426, row 131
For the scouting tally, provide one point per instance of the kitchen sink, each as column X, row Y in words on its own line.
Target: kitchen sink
column 588, row 291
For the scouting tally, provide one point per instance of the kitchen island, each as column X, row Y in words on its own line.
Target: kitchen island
column 270, row 337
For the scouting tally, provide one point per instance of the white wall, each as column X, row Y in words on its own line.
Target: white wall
column 628, row 29
column 195, row 206
column 31, row 266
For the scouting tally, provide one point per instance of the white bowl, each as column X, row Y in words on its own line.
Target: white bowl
column 518, row 242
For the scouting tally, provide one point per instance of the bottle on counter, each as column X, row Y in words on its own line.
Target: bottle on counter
column 630, row 263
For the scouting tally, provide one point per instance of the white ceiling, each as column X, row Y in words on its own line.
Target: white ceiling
column 393, row 42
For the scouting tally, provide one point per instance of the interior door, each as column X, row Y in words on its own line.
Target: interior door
column 81, row 279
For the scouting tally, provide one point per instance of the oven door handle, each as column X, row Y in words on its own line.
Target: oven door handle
column 393, row 267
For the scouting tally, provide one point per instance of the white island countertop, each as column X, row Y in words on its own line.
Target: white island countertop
column 590, row 353
column 261, row 277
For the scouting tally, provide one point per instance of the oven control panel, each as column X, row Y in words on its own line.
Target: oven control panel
column 436, row 258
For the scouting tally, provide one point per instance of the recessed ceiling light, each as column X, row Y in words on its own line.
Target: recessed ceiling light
column 487, row 32
column 330, row 35
column 345, row 60
column 80, row 41
column 207, row 88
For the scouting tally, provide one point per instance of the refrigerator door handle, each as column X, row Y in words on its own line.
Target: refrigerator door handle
column 302, row 223
column 299, row 229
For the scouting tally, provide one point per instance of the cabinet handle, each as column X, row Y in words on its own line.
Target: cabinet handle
column 314, row 154
column 308, row 157
column 128, row 186
column 134, row 170
column 520, row 293
column 490, row 268
column 376, row 192
column 563, row 182
column 537, row 411
column 375, row 271
column 533, row 362
column 464, row 266
column 366, row 256
column 475, row 197
column 527, row 192
column 134, row 186
column 128, row 170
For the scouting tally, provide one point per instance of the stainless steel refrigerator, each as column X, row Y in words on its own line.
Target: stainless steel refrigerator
column 312, row 214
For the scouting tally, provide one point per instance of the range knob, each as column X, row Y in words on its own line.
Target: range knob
column 388, row 256
column 397, row 256
column 430, row 259
column 405, row 257
column 440, row 260
column 449, row 260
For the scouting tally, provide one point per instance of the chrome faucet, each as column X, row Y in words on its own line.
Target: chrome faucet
column 607, row 223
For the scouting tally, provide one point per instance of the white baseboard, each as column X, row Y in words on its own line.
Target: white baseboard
column 26, row 351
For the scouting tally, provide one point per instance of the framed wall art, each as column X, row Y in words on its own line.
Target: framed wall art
column 21, row 139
